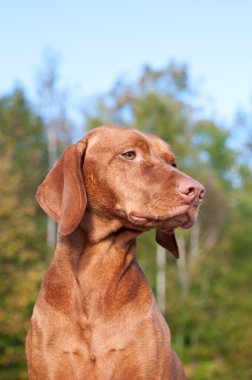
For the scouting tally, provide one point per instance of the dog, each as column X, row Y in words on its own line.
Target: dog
column 95, row 317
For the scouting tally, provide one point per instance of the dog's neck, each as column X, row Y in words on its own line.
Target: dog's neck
column 102, row 262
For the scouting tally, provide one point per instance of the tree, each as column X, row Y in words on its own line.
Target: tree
column 23, row 161
column 52, row 108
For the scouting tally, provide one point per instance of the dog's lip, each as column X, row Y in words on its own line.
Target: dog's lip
column 144, row 220
column 188, row 224
column 138, row 218
column 161, row 219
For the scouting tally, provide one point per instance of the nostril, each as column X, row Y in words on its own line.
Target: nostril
column 191, row 191
column 187, row 189
column 202, row 194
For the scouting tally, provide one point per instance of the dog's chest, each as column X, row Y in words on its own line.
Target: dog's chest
column 128, row 347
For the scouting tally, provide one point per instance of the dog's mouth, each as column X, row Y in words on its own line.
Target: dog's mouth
column 184, row 219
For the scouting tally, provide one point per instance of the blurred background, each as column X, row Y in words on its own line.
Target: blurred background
column 181, row 70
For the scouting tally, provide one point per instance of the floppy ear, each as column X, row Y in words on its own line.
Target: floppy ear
column 168, row 241
column 62, row 194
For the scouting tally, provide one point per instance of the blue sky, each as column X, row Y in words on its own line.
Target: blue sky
column 97, row 41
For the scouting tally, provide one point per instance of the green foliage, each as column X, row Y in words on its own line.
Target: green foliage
column 22, row 165
column 208, row 300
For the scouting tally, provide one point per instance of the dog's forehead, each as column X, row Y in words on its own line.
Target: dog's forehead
column 111, row 137
column 159, row 144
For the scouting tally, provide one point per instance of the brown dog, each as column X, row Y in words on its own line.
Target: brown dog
column 95, row 317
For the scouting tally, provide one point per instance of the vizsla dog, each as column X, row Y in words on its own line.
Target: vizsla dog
column 96, row 317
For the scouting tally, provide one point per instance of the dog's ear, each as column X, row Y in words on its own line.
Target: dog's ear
column 168, row 241
column 62, row 194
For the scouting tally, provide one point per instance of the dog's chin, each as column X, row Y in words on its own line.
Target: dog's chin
column 190, row 222
column 185, row 220
column 191, row 214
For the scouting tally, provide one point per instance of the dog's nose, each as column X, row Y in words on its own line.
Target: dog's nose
column 191, row 189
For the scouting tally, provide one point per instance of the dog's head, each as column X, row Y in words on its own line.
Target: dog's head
column 122, row 174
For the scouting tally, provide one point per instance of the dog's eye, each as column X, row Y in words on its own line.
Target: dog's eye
column 174, row 165
column 130, row 155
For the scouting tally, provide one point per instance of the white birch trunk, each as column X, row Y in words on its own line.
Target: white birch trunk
column 161, row 278
column 183, row 278
column 193, row 254
column 183, row 275
column 52, row 155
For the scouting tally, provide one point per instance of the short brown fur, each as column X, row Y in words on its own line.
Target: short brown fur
column 96, row 317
